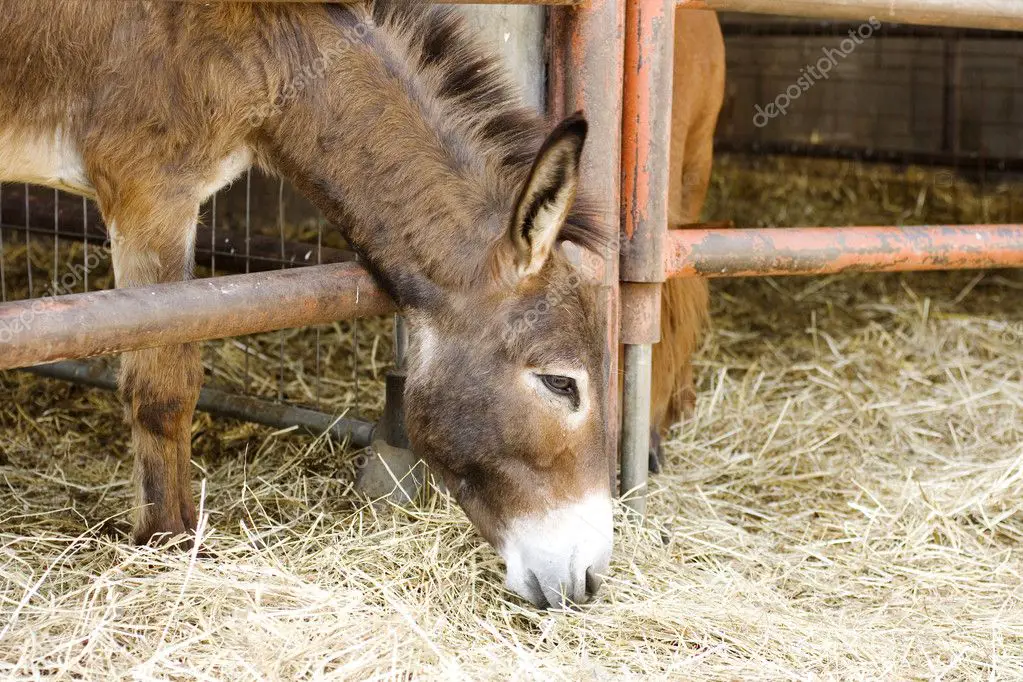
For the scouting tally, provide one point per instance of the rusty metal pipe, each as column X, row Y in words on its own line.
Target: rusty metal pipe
column 646, row 138
column 1004, row 15
column 646, row 144
column 586, row 61
column 441, row 2
column 827, row 250
column 83, row 325
column 224, row 404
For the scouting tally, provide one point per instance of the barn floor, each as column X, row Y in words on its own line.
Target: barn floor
column 847, row 503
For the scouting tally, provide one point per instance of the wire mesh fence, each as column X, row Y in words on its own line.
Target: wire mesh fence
column 946, row 100
column 906, row 92
column 256, row 224
column 53, row 243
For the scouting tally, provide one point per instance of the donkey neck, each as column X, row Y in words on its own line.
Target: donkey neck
column 401, row 167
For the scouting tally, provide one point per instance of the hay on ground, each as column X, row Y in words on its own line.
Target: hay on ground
column 847, row 503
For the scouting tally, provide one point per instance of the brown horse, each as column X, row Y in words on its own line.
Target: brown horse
column 389, row 117
column 699, row 86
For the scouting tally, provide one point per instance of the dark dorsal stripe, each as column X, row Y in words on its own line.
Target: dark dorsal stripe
column 474, row 85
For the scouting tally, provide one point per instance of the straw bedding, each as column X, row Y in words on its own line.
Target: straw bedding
column 847, row 503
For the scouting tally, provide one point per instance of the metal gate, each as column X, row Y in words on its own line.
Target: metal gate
column 612, row 58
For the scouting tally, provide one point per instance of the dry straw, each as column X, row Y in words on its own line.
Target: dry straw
column 847, row 504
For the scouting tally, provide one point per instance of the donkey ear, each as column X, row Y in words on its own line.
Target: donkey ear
column 547, row 195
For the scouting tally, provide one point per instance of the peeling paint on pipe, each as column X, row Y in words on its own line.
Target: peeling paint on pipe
column 43, row 330
column 1006, row 15
column 587, row 48
column 646, row 137
column 828, row 250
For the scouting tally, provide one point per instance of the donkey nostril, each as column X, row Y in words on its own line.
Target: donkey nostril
column 593, row 583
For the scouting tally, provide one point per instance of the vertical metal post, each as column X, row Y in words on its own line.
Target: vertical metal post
column 646, row 141
column 636, row 430
column 586, row 46
column 400, row 341
column 394, row 399
column 391, row 470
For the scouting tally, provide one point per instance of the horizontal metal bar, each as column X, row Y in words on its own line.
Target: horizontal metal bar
column 1003, row 15
column 807, row 28
column 826, row 250
column 955, row 160
column 440, row 2
column 82, row 325
column 636, row 387
column 224, row 404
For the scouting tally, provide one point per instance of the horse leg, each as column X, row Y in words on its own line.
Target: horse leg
column 685, row 302
column 159, row 386
column 656, row 454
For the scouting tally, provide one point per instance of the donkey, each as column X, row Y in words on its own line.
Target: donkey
column 699, row 87
column 406, row 134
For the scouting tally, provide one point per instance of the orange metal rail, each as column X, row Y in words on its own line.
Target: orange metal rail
column 43, row 330
column 82, row 325
column 587, row 47
column 827, row 250
column 646, row 132
column 1004, row 15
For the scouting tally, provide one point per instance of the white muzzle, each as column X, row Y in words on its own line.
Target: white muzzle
column 560, row 557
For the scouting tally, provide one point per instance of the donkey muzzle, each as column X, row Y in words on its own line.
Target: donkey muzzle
column 560, row 557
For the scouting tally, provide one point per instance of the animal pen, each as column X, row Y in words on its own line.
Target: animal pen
column 846, row 501
column 611, row 58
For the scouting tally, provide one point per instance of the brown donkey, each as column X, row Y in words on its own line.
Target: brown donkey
column 400, row 129
column 699, row 87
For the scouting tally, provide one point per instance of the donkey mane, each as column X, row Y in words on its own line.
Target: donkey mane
column 465, row 92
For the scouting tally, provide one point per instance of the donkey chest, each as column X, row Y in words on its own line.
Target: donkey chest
column 50, row 159
column 226, row 171
column 54, row 160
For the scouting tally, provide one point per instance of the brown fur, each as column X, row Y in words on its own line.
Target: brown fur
column 403, row 132
column 699, row 83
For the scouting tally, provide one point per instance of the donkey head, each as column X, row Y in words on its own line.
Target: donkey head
column 504, row 392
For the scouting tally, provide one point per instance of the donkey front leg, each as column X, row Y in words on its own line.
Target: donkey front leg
column 159, row 386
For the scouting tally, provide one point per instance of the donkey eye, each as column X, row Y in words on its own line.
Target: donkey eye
column 561, row 386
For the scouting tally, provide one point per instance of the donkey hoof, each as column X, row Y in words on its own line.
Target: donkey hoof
column 656, row 452
column 164, row 535
column 188, row 519
column 117, row 530
column 688, row 404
